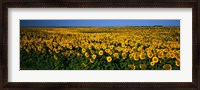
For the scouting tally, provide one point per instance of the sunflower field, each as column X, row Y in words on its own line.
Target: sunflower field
column 100, row 48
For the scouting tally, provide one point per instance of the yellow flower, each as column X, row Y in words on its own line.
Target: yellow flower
column 152, row 63
column 143, row 66
column 132, row 66
column 168, row 55
column 55, row 50
column 167, row 67
column 86, row 55
column 91, row 61
column 92, row 51
column 172, row 55
column 116, row 55
column 155, row 59
column 109, row 59
column 107, row 50
column 78, row 54
column 59, row 48
column 136, row 57
column 27, row 50
column 177, row 63
column 123, row 55
column 55, row 57
column 50, row 51
column 71, row 51
column 94, row 56
column 110, row 52
column 177, row 57
column 160, row 54
column 83, row 50
column 131, row 56
column 100, row 52
column 150, row 54
column 166, row 50
column 178, row 51
column 142, row 56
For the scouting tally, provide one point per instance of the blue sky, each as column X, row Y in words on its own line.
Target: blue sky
column 99, row 22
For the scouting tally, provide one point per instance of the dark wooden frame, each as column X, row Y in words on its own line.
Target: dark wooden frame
column 194, row 4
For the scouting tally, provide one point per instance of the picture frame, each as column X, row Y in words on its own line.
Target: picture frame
column 194, row 4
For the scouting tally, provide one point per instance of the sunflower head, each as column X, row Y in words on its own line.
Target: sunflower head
column 160, row 54
column 167, row 67
column 86, row 55
column 136, row 57
column 100, row 52
column 132, row 66
column 177, row 57
column 177, row 63
column 131, row 56
column 110, row 52
column 172, row 55
column 152, row 63
column 55, row 57
column 150, row 54
column 155, row 59
column 142, row 56
column 116, row 55
column 94, row 56
column 78, row 54
column 143, row 66
column 109, row 59
column 123, row 55
column 92, row 51
column 83, row 50
column 91, row 61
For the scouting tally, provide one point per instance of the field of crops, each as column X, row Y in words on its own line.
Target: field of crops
column 100, row 48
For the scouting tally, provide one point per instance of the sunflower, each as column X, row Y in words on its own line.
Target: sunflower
column 109, row 59
column 91, row 61
column 168, row 55
column 78, row 54
column 55, row 57
column 107, row 50
column 110, row 52
column 150, row 54
column 172, row 55
column 131, row 56
column 177, row 63
column 71, row 51
column 178, row 51
column 123, row 45
column 86, row 55
column 83, row 50
column 147, row 50
column 177, row 57
column 167, row 67
column 166, row 50
column 143, row 66
column 160, row 54
column 152, row 63
column 94, row 56
column 132, row 66
column 92, row 51
column 123, row 55
column 136, row 57
column 100, row 52
column 116, row 55
column 142, row 56
column 90, row 46
column 155, row 59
